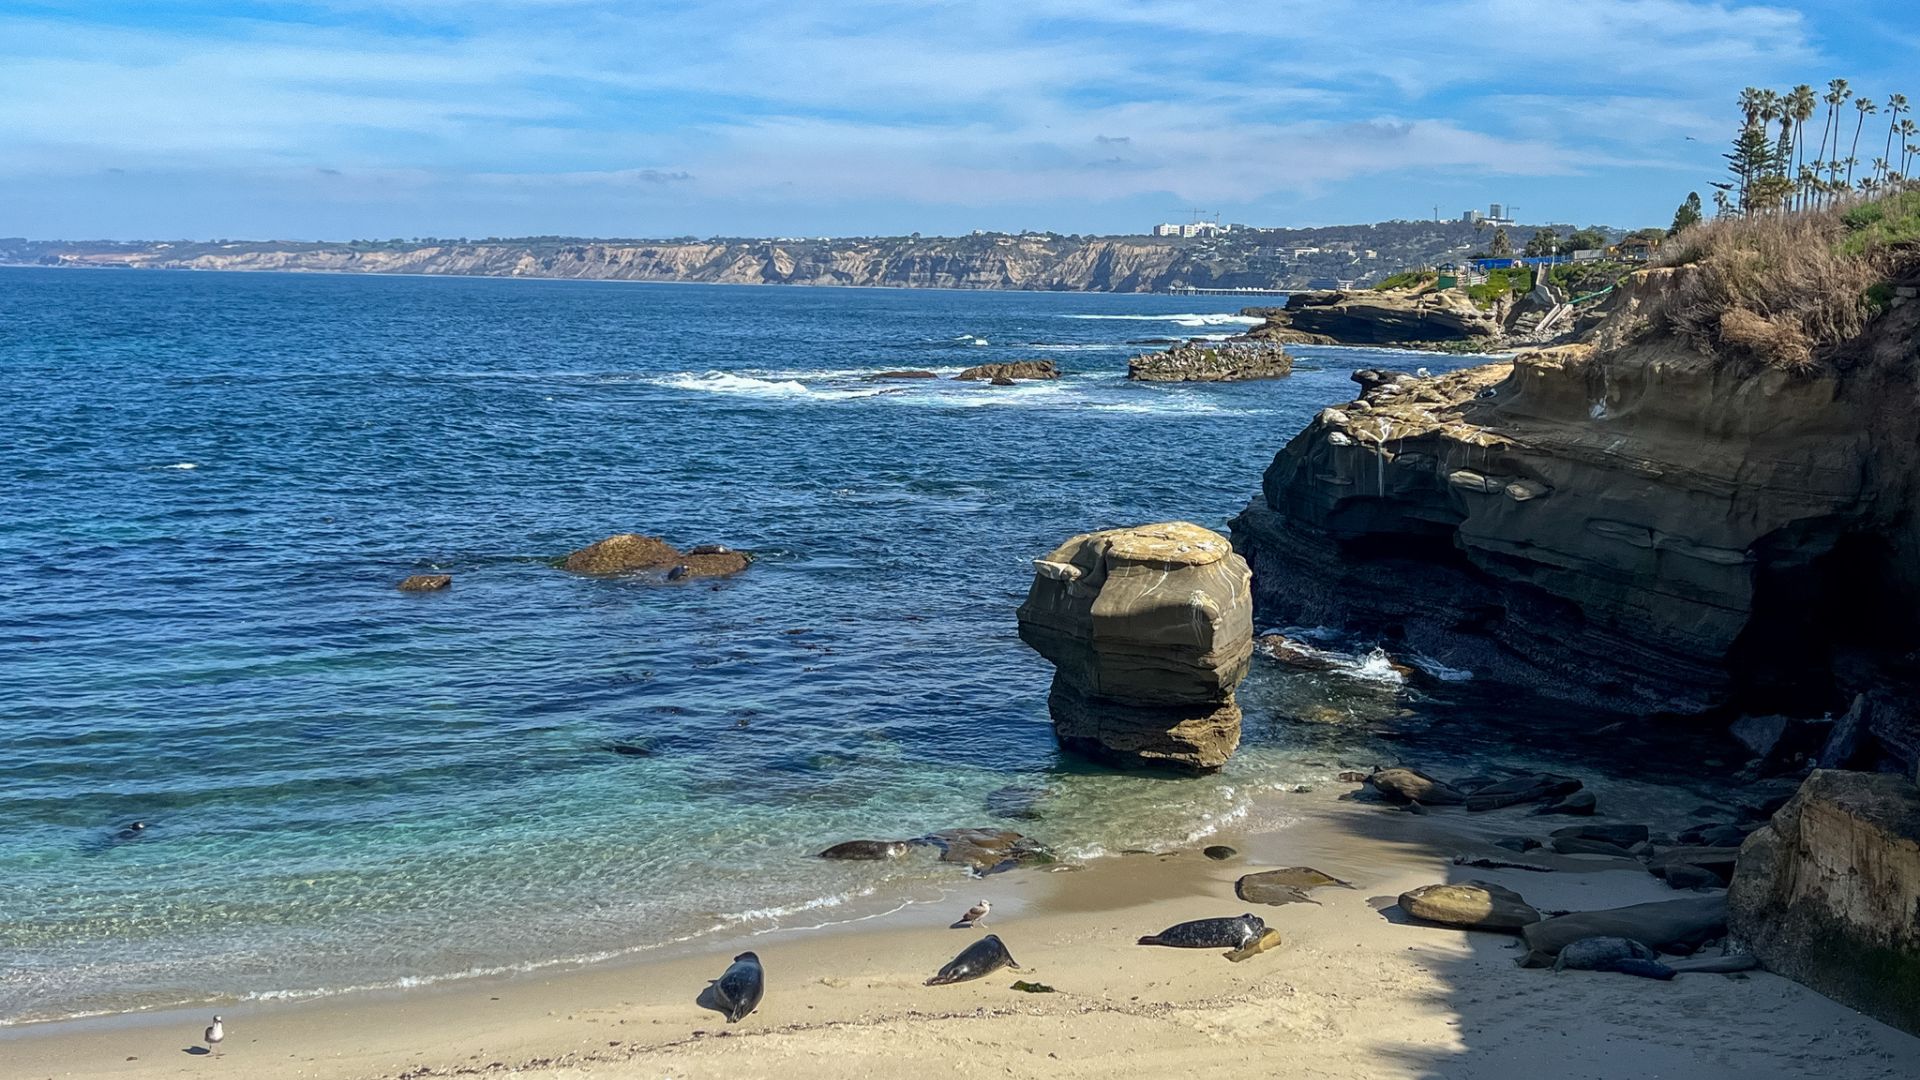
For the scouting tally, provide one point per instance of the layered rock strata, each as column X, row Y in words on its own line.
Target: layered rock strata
column 1149, row 630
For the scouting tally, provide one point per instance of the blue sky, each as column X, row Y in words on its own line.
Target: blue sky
column 334, row 119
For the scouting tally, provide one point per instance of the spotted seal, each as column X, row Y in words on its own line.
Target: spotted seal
column 1594, row 953
column 738, row 990
column 983, row 957
column 1235, row 933
column 867, row 849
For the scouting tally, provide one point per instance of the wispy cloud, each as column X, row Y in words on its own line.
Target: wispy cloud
column 721, row 113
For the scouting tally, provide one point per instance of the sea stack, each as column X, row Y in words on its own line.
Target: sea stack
column 1149, row 630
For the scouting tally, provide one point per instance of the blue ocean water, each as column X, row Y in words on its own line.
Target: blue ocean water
column 211, row 483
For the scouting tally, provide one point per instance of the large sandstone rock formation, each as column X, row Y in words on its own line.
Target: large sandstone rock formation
column 1212, row 361
column 1629, row 523
column 1828, row 893
column 1149, row 630
column 1370, row 316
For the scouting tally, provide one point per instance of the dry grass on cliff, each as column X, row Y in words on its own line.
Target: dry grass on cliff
column 1778, row 288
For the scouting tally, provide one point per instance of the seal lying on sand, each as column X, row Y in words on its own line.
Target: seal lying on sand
column 983, row 957
column 738, row 989
column 1235, row 933
column 1623, row 955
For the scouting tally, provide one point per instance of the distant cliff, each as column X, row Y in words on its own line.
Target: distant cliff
column 1252, row 258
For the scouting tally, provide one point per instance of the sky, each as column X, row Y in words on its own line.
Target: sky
column 343, row 119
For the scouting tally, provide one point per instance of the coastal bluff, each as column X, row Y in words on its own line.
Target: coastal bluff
column 1627, row 522
column 1149, row 630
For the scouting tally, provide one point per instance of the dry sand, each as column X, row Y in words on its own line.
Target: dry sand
column 1353, row 992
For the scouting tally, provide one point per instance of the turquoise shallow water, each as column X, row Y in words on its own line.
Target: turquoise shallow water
column 212, row 481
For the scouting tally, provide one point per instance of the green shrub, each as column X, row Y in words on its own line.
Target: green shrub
column 1407, row 279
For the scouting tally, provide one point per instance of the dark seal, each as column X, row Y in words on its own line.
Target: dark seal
column 738, row 989
column 1600, row 953
column 983, row 957
column 1235, row 933
column 867, row 849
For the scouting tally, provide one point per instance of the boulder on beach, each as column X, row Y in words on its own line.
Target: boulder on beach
column 1672, row 926
column 424, row 582
column 1018, row 369
column 1411, row 785
column 1621, row 835
column 1288, row 885
column 1149, row 630
column 1717, row 861
column 1469, row 905
column 1576, row 804
column 1580, row 845
column 628, row 553
column 1828, row 892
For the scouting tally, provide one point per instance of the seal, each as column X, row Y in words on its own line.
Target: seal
column 981, row 958
column 1235, row 933
column 1646, row 969
column 1591, row 954
column 867, row 849
column 739, row 988
column 132, row 832
column 710, row 549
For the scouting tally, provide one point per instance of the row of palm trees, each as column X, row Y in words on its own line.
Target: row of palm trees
column 1775, row 173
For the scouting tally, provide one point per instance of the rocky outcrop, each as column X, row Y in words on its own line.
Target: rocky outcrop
column 1828, row 893
column 1628, row 523
column 1469, row 905
column 1005, row 373
column 1212, row 361
column 424, row 582
column 1149, row 630
column 631, row 553
column 1391, row 316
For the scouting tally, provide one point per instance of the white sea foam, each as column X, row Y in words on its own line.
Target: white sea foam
column 1439, row 670
column 178, row 465
column 726, row 382
column 1189, row 318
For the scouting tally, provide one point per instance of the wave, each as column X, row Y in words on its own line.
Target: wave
column 184, row 465
column 1188, row 318
column 725, row 382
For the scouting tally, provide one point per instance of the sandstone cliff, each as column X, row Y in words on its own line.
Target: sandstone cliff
column 1628, row 522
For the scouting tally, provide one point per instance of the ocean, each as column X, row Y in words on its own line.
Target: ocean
column 212, row 483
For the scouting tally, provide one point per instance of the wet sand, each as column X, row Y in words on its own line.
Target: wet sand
column 1353, row 991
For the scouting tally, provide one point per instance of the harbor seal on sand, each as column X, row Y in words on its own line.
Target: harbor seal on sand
column 1594, row 953
column 983, row 957
column 1235, row 933
column 739, row 988
column 867, row 849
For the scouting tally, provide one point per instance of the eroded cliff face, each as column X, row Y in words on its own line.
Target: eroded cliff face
column 1094, row 264
column 1627, row 523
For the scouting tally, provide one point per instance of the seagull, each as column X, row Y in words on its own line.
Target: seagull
column 976, row 915
column 215, row 1034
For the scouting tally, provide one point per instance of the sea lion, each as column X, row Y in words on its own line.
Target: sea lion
column 981, row 958
column 739, row 988
column 1235, row 933
column 867, row 849
column 1590, row 954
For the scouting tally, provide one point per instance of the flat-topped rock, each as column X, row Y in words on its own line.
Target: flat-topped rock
column 628, row 553
column 1018, row 369
column 1212, row 361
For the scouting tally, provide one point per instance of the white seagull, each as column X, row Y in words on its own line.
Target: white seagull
column 976, row 915
column 215, row 1034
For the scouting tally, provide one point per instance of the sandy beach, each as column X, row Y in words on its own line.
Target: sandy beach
column 1354, row 990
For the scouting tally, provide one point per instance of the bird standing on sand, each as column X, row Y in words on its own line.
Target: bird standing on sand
column 976, row 915
column 216, row 1033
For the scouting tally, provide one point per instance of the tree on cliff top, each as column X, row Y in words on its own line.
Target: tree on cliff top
column 1542, row 243
column 1502, row 247
column 1687, row 214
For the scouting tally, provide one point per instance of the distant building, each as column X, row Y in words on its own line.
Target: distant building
column 1471, row 217
column 1637, row 250
column 1588, row 255
column 1192, row 229
column 1167, row 229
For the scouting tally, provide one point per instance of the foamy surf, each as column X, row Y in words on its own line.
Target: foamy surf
column 1187, row 318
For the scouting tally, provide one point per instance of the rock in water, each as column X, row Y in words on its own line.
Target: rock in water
column 1470, row 905
column 1219, row 852
column 1412, row 785
column 740, row 987
column 1234, row 933
column 1212, row 361
column 1149, row 630
column 425, row 582
column 983, row 957
column 1019, row 369
column 629, row 553
column 1828, row 893
column 1521, row 789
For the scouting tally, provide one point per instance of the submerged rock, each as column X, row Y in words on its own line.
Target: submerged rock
column 424, row 582
column 1828, row 892
column 1019, row 369
column 878, row 375
column 1521, row 789
column 988, row 851
column 628, row 553
column 1149, row 630
column 1470, row 905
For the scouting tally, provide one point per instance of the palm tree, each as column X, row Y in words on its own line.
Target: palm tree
column 1800, row 106
column 1837, row 90
column 1750, row 104
column 1896, row 104
column 1866, row 107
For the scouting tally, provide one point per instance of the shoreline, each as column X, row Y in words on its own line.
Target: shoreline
column 1352, row 987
